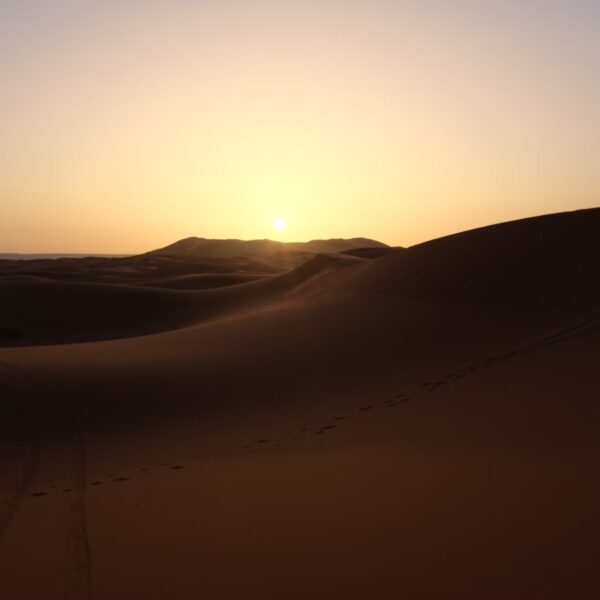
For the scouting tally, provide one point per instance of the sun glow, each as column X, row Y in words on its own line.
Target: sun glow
column 280, row 224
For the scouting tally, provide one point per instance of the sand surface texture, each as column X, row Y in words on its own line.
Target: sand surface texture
column 373, row 424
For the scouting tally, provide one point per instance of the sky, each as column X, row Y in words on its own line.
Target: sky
column 126, row 125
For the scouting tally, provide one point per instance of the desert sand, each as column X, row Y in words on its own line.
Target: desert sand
column 375, row 424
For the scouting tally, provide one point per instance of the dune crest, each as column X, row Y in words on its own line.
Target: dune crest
column 546, row 262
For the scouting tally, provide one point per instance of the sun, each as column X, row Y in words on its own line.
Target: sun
column 280, row 224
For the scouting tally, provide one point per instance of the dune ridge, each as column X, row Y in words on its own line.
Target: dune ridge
column 544, row 262
column 195, row 246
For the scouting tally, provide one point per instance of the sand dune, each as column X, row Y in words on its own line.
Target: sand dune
column 418, row 425
column 38, row 312
column 192, row 256
column 195, row 246
column 533, row 263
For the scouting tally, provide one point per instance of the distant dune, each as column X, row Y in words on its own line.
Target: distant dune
column 194, row 246
column 374, row 423
column 177, row 265
column 52, row 256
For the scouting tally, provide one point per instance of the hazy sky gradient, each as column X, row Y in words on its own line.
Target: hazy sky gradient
column 128, row 124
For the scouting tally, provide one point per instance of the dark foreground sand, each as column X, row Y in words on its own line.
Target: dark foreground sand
column 419, row 425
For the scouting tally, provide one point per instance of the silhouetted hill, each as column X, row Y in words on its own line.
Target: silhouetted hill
column 202, row 247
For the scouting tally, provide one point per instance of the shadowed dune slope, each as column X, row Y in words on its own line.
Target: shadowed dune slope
column 371, row 252
column 34, row 312
column 550, row 261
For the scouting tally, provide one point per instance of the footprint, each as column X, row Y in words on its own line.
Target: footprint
column 37, row 494
column 177, row 467
column 264, row 441
column 96, row 483
column 121, row 479
column 364, row 408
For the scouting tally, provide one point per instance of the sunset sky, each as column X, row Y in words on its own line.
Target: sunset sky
column 128, row 124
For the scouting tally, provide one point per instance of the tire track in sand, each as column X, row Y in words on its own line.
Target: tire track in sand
column 78, row 582
column 11, row 505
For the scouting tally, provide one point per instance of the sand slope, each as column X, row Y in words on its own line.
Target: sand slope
column 352, row 429
column 42, row 312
